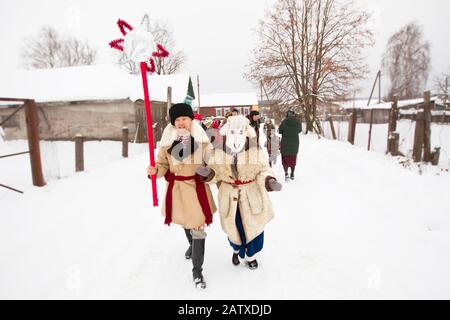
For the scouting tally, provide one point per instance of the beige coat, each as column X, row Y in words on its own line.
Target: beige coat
column 186, row 209
column 254, row 203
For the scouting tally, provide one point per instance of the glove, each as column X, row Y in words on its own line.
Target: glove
column 203, row 171
column 274, row 185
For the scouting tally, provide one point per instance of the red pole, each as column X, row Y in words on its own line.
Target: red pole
column 149, row 130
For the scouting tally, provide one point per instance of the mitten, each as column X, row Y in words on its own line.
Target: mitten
column 203, row 171
column 274, row 185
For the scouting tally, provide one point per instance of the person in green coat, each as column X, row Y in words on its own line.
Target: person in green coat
column 290, row 129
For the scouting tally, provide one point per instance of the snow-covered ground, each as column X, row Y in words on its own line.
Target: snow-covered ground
column 355, row 224
column 440, row 137
column 58, row 160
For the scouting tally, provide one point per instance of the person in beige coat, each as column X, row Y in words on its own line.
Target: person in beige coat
column 241, row 169
column 188, row 201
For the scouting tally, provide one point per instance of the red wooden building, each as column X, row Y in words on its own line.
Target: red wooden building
column 218, row 105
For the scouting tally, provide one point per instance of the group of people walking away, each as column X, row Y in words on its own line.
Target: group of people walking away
column 239, row 168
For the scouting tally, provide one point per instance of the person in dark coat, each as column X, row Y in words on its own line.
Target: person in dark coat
column 290, row 129
column 255, row 122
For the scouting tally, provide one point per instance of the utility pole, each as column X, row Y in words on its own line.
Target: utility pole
column 379, row 87
column 446, row 92
column 378, row 78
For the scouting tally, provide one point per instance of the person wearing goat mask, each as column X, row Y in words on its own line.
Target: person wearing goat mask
column 241, row 170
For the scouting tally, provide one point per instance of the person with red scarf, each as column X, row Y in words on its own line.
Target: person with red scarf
column 188, row 201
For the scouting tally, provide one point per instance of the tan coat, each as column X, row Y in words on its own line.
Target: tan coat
column 186, row 209
column 254, row 203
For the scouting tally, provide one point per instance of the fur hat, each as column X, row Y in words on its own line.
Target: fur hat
column 180, row 110
column 254, row 113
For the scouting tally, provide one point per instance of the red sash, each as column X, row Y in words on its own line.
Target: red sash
column 201, row 195
column 240, row 183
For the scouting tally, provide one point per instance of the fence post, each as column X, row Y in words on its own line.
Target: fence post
column 125, row 142
column 394, row 139
column 352, row 127
column 333, row 132
column 370, row 130
column 392, row 125
column 435, row 156
column 79, row 153
column 427, row 127
column 32, row 122
column 418, row 137
column 394, row 111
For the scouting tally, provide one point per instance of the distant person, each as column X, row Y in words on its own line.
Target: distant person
column 227, row 115
column 199, row 118
column 255, row 122
column 272, row 142
column 268, row 126
column 234, row 112
column 273, row 147
column 290, row 129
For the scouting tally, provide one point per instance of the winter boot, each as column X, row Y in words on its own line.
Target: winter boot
column 235, row 259
column 292, row 177
column 198, row 255
column 286, row 176
column 188, row 254
column 253, row 265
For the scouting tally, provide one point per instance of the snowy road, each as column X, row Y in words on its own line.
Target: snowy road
column 354, row 225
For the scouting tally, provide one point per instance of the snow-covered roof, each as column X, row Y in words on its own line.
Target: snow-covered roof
column 89, row 83
column 412, row 102
column 433, row 112
column 362, row 104
column 229, row 99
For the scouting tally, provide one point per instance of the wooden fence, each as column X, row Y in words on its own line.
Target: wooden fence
column 422, row 150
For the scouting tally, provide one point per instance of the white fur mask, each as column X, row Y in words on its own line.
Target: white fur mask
column 236, row 130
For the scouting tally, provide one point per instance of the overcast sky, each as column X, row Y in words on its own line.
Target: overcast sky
column 217, row 36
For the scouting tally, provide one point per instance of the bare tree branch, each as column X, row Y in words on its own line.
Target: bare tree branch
column 49, row 49
column 310, row 52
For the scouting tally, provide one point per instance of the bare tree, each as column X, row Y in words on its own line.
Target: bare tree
column 177, row 58
column 48, row 49
column 310, row 52
column 441, row 84
column 407, row 62
column 163, row 35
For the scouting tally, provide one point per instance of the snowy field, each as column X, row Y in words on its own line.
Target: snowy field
column 354, row 225
column 440, row 137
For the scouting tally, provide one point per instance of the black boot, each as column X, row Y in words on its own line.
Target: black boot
column 253, row 265
column 198, row 255
column 292, row 177
column 188, row 254
column 235, row 259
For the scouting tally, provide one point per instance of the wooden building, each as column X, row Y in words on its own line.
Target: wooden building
column 95, row 101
